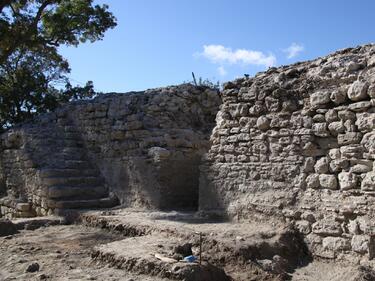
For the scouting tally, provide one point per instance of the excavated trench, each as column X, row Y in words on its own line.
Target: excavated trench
column 151, row 247
column 144, row 246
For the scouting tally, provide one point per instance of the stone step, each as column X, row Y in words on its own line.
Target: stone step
column 51, row 173
column 70, row 129
column 70, row 156
column 107, row 202
column 78, row 192
column 72, row 143
column 72, row 164
column 73, row 150
column 72, row 136
column 72, row 181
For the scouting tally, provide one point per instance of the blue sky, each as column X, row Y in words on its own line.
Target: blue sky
column 160, row 42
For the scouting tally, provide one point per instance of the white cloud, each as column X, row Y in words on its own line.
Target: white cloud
column 222, row 70
column 221, row 54
column 293, row 50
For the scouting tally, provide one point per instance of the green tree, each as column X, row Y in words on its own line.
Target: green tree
column 31, row 69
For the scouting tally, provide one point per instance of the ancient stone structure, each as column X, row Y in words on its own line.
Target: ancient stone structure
column 298, row 143
column 142, row 149
column 294, row 144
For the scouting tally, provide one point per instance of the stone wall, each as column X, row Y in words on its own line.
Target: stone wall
column 142, row 149
column 297, row 143
column 292, row 144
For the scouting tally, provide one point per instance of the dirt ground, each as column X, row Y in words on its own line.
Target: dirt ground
column 63, row 253
column 72, row 252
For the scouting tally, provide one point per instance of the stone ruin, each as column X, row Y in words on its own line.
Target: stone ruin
column 294, row 144
column 139, row 149
column 298, row 143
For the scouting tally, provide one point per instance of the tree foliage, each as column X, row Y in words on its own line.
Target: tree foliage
column 31, row 69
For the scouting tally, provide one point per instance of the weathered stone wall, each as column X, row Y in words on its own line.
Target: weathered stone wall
column 298, row 143
column 143, row 148
column 149, row 145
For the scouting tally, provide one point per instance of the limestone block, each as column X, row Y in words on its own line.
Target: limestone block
column 368, row 183
column 232, row 139
column 272, row 104
column 263, row 123
column 313, row 241
column 331, row 116
column 319, row 118
column 328, row 181
column 349, row 138
column 363, row 244
column 307, row 122
column 309, row 165
column 321, row 166
column 358, row 91
column 346, row 115
column 312, row 181
column 338, row 96
column 320, row 129
column 257, row 109
column 365, row 121
column 279, row 122
column 336, row 244
column 347, row 180
column 353, row 151
column 368, row 141
column 327, row 227
column 336, row 128
column 360, row 106
column 334, row 154
column 242, row 158
column 360, row 169
column 366, row 224
column 303, row 227
column 320, row 98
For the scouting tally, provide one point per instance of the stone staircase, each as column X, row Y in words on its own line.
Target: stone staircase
column 69, row 179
